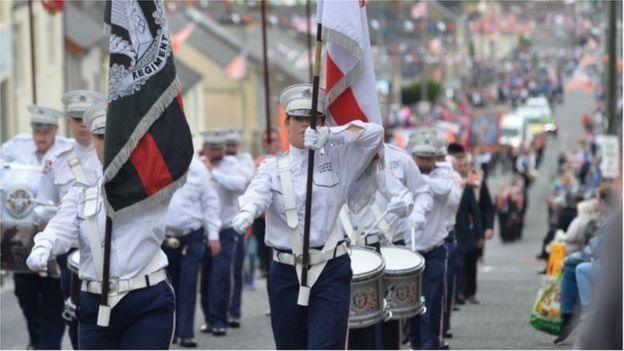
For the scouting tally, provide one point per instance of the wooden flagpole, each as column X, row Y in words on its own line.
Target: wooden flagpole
column 33, row 63
column 314, row 107
column 265, row 58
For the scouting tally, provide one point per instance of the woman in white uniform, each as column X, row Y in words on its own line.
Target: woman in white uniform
column 141, row 298
column 313, row 316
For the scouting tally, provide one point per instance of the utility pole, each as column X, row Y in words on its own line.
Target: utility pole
column 611, row 73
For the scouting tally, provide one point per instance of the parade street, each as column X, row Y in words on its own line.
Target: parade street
column 508, row 279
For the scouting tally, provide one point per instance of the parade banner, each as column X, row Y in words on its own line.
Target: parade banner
column 350, row 77
column 148, row 145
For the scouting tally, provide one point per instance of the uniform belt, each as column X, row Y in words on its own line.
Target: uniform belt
column 441, row 243
column 178, row 233
column 316, row 256
column 119, row 286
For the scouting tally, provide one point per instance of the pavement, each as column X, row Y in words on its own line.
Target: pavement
column 507, row 280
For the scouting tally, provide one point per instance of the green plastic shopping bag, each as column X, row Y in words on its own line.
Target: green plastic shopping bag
column 546, row 314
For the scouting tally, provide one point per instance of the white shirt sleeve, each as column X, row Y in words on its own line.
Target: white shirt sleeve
column 423, row 197
column 63, row 229
column 234, row 180
column 210, row 206
column 359, row 148
column 258, row 195
column 7, row 151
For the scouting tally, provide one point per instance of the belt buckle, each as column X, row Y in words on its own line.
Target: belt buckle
column 112, row 286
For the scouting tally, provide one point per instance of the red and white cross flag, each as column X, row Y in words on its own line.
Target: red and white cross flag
column 350, row 77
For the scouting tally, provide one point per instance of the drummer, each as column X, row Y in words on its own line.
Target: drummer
column 39, row 297
column 313, row 316
column 65, row 167
column 364, row 223
column 142, row 299
column 425, row 331
column 401, row 166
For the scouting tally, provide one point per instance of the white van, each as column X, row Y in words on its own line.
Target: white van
column 512, row 130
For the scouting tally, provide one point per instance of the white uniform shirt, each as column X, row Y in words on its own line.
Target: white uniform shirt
column 387, row 187
column 436, row 229
column 22, row 149
column 248, row 165
column 58, row 177
column 196, row 204
column 135, row 240
column 346, row 156
column 404, row 168
column 445, row 171
column 230, row 182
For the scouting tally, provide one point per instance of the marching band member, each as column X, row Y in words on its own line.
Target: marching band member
column 279, row 187
column 365, row 224
column 40, row 298
column 448, row 177
column 62, row 170
column 192, row 222
column 248, row 168
column 401, row 166
column 142, row 300
column 425, row 329
column 230, row 182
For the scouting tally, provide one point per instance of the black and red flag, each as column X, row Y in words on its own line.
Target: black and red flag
column 148, row 145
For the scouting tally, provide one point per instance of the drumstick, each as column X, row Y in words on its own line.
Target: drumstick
column 413, row 239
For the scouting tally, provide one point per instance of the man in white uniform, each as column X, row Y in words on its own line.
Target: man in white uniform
column 248, row 168
column 230, row 181
column 64, row 168
column 39, row 297
column 192, row 222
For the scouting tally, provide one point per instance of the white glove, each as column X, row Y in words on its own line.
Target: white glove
column 316, row 139
column 417, row 220
column 38, row 259
column 242, row 221
column 400, row 206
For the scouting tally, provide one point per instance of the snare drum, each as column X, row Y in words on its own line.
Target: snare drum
column 73, row 264
column 366, row 288
column 402, row 281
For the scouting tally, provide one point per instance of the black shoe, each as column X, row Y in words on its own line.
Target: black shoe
column 448, row 335
column 206, row 328
column 472, row 300
column 218, row 331
column 188, row 342
column 444, row 346
column 455, row 308
column 234, row 323
column 570, row 322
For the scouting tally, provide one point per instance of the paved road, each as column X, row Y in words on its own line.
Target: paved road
column 508, row 278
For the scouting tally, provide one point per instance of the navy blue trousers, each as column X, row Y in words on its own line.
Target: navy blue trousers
column 72, row 326
column 184, row 264
column 424, row 330
column 204, row 285
column 452, row 269
column 41, row 301
column 323, row 323
column 220, row 279
column 237, row 272
column 143, row 319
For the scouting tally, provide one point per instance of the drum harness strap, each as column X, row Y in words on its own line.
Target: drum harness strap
column 355, row 236
column 148, row 276
column 318, row 258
